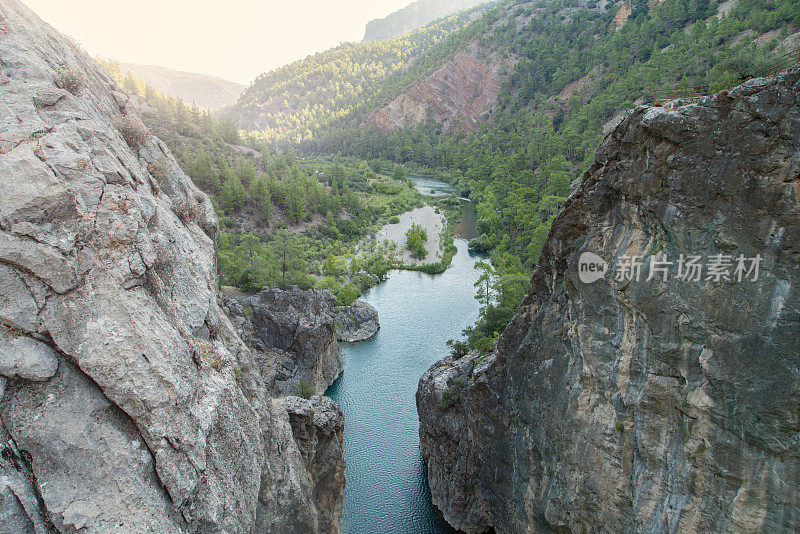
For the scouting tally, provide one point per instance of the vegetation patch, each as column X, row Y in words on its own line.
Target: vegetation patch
column 452, row 396
column 70, row 78
column 416, row 237
column 133, row 131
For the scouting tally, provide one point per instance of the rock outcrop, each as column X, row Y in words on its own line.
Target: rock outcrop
column 459, row 95
column 129, row 403
column 356, row 322
column 297, row 327
column 317, row 426
column 660, row 405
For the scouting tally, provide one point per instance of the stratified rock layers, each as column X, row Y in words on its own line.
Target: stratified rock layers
column 129, row 404
column 651, row 405
column 458, row 95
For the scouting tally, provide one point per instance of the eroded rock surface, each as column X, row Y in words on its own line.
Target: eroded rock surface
column 661, row 405
column 317, row 425
column 459, row 94
column 356, row 322
column 129, row 403
column 297, row 328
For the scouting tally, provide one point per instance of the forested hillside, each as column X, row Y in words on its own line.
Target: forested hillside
column 576, row 67
column 285, row 220
column 297, row 101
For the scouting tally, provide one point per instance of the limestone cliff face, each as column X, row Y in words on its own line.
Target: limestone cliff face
column 129, row 404
column 298, row 331
column 644, row 406
column 458, row 95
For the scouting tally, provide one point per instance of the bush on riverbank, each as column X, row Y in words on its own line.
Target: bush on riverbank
column 416, row 237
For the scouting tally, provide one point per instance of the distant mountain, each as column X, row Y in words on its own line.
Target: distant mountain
column 414, row 16
column 206, row 91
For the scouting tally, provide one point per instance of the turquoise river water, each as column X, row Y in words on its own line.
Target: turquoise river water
column 387, row 490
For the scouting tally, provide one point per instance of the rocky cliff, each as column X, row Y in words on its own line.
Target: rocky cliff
column 129, row 404
column 636, row 405
column 298, row 330
column 458, row 95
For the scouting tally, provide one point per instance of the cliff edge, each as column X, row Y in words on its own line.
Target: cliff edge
column 652, row 399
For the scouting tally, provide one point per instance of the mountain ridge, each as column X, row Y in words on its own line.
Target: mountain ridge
column 415, row 15
column 204, row 90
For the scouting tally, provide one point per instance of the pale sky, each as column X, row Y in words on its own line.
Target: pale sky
column 233, row 39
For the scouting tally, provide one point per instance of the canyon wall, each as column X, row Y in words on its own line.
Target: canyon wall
column 458, row 95
column 128, row 401
column 663, row 403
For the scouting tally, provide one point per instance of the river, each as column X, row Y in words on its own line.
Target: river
column 387, row 489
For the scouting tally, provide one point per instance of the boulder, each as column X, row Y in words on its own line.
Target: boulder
column 356, row 322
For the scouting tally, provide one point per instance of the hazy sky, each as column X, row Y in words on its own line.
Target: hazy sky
column 234, row 39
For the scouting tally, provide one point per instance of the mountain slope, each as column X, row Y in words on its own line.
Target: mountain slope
column 455, row 96
column 415, row 15
column 641, row 403
column 297, row 101
column 208, row 92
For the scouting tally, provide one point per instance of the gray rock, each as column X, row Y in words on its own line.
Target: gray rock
column 152, row 415
column 644, row 406
column 297, row 328
column 78, row 435
column 317, row 426
column 356, row 322
column 24, row 357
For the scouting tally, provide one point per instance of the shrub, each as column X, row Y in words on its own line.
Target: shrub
column 304, row 390
column 452, row 396
column 347, row 294
column 458, row 349
column 158, row 170
column 480, row 244
column 70, row 79
column 133, row 131
column 394, row 219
